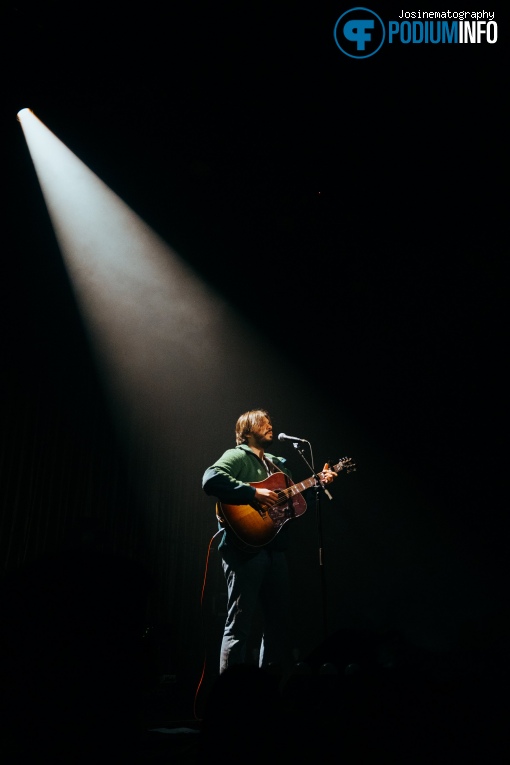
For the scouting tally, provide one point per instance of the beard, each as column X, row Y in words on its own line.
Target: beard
column 263, row 441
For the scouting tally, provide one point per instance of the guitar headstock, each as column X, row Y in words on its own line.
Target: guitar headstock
column 347, row 464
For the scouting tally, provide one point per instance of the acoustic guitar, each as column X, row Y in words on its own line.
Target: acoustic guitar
column 255, row 525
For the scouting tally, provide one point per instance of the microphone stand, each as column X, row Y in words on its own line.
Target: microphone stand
column 319, row 488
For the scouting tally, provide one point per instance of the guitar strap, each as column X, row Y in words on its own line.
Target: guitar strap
column 270, row 466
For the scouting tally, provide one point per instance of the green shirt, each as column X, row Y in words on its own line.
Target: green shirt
column 228, row 479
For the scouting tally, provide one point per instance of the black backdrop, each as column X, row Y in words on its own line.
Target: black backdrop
column 355, row 205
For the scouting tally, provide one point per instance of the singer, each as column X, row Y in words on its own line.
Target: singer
column 256, row 575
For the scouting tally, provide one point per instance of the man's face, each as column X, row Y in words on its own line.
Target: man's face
column 262, row 434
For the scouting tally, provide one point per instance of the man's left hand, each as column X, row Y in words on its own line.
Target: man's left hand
column 327, row 475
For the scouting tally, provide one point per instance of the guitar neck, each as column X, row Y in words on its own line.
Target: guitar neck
column 298, row 488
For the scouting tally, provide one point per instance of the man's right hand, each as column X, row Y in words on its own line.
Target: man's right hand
column 266, row 496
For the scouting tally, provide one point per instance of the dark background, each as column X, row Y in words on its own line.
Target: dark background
column 355, row 205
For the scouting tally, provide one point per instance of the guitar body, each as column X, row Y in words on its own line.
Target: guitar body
column 256, row 525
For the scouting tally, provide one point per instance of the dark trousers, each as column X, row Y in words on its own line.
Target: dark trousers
column 258, row 580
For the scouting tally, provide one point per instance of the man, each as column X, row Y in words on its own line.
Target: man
column 255, row 574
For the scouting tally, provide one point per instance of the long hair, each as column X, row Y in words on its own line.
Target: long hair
column 247, row 422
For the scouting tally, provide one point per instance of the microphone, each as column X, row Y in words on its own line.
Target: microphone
column 285, row 437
